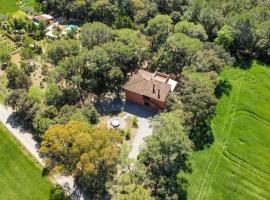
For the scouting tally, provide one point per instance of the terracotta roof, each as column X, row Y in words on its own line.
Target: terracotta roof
column 142, row 82
column 43, row 17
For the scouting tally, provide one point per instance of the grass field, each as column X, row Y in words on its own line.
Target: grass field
column 237, row 165
column 10, row 6
column 20, row 177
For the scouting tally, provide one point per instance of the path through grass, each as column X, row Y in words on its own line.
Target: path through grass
column 237, row 165
column 20, row 177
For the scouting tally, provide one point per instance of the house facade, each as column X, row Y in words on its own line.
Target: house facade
column 149, row 89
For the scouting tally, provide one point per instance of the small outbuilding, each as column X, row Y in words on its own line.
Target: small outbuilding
column 47, row 19
column 149, row 89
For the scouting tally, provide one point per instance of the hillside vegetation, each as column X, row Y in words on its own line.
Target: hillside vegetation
column 237, row 165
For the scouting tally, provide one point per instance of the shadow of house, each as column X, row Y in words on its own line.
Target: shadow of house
column 109, row 105
column 223, row 87
column 138, row 110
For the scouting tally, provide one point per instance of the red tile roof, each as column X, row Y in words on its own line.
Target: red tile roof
column 145, row 83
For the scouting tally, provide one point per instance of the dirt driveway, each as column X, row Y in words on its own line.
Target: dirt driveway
column 144, row 128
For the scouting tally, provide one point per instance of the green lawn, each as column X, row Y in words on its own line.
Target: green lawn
column 20, row 176
column 237, row 165
column 10, row 6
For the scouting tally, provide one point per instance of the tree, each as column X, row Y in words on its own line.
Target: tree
column 124, row 188
column 25, row 108
column 225, row 37
column 199, row 106
column 116, row 78
column 83, row 11
column 104, row 11
column 97, row 69
column 177, row 53
column 60, row 49
column 63, row 144
column 128, row 182
column 17, row 78
column 244, row 37
column 212, row 58
column 57, row 193
column 36, row 93
column 91, row 114
column 144, row 10
column 166, row 153
column 124, row 22
column 41, row 124
column 136, row 41
column 13, row 97
column 159, row 28
column 71, row 71
column 99, row 34
column 98, row 165
column 121, row 56
column 136, row 192
column 262, row 44
column 53, row 95
column 191, row 29
column 65, row 114
column 90, row 153
column 212, row 19
column 4, row 60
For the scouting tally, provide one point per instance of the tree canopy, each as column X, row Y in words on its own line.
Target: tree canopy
column 88, row 152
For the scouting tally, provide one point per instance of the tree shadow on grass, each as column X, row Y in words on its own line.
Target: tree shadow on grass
column 244, row 63
column 45, row 172
column 223, row 87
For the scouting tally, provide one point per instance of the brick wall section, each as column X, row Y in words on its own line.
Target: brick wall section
column 137, row 98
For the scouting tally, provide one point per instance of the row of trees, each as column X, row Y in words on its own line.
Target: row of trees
column 241, row 27
column 101, row 64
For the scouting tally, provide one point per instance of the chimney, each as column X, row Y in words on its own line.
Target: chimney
column 158, row 93
column 154, row 89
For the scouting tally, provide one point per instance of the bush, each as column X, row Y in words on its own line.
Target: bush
column 128, row 134
column 90, row 113
column 125, row 133
column 135, row 122
column 57, row 194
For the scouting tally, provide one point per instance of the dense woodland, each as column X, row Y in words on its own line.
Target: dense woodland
column 192, row 40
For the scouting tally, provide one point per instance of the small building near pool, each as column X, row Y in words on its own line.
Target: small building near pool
column 47, row 19
column 149, row 89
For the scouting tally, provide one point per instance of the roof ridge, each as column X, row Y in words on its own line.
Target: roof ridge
column 136, row 82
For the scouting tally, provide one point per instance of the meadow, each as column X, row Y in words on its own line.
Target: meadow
column 20, row 177
column 237, row 165
column 11, row 6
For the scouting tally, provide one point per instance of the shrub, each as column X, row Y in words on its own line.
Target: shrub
column 57, row 194
column 135, row 122
column 128, row 134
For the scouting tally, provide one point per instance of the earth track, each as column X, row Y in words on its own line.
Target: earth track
column 226, row 137
column 231, row 107
column 244, row 164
